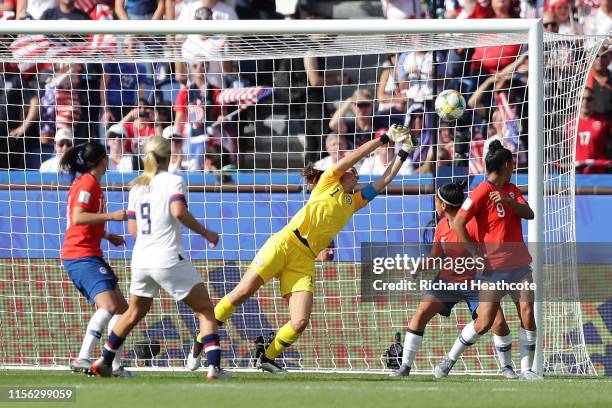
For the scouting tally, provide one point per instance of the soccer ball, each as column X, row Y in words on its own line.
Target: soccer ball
column 450, row 105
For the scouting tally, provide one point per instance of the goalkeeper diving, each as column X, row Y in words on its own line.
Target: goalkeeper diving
column 290, row 253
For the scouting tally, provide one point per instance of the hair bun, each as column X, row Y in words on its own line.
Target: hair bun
column 462, row 184
column 495, row 145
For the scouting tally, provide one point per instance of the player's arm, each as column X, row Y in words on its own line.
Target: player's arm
column 392, row 170
column 395, row 134
column 180, row 212
column 80, row 216
column 114, row 239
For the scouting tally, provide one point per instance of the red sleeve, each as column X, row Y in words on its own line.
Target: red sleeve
column 180, row 105
column 518, row 195
column 436, row 249
column 87, row 195
column 472, row 230
column 476, row 200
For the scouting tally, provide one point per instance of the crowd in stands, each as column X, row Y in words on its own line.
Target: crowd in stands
column 47, row 108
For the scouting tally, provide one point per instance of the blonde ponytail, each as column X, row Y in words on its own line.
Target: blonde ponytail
column 156, row 151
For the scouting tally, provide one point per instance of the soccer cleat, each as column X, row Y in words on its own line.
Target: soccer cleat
column 444, row 367
column 81, row 365
column 193, row 361
column 265, row 364
column 101, row 369
column 403, row 371
column 217, row 373
column 122, row 372
column 509, row 373
column 530, row 375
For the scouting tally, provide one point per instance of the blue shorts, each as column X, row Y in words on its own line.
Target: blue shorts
column 449, row 298
column 91, row 275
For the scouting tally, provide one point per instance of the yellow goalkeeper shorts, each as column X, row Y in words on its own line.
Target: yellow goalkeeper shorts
column 282, row 258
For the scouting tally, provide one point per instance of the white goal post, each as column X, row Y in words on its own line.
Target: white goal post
column 273, row 40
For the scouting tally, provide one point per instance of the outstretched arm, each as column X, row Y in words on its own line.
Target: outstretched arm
column 394, row 134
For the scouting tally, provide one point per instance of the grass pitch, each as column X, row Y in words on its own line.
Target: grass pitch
column 254, row 390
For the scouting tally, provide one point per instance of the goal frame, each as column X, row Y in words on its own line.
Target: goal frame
column 533, row 27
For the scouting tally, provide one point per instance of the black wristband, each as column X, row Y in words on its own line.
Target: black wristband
column 402, row 154
column 384, row 139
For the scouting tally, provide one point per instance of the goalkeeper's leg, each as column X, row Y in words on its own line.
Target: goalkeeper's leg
column 300, row 307
column 250, row 282
column 426, row 310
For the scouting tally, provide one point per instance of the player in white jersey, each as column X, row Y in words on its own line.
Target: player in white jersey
column 156, row 210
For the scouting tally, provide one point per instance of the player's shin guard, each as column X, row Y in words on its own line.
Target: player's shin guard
column 112, row 345
column 212, row 348
column 527, row 342
column 468, row 337
column 96, row 325
column 224, row 310
column 412, row 343
column 503, row 346
column 117, row 359
column 285, row 337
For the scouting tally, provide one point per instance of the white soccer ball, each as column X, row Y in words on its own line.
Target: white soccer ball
column 450, row 105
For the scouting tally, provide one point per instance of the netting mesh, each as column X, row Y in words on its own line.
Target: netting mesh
column 265, row 105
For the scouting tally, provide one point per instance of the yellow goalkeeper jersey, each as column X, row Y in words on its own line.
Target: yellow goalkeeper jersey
column 327, row 211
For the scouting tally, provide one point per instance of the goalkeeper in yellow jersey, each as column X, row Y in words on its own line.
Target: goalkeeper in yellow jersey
column 290, row 253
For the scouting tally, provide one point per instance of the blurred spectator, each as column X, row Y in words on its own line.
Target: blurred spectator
column 378, row 162
column 336, row 147
column 549, row 22
column 177, row 161
column 65, row 10
column 593, row 135
column 328, row 253
column 140, row 9
column 531, row 8
column 563, row 16
column 599, row 21
column 215, row 159
column 118, row 160
column 60, row 102
column 389, row 92
column 193, row 110
column 63, row 142
column 7, row 9
column 122, row 85
column 138, row 125
column 468, row 9
column 362, row 124
column 415, row 77
column 220, row 10
column 444, row 159
column 402, row 9
column 600, row 83
column 33, row 9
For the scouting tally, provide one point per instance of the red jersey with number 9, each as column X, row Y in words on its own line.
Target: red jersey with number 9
column 84, row 240
column 498, row 225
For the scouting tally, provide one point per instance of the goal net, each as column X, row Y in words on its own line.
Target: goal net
column 245, row 113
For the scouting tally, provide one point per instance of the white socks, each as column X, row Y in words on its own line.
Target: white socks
column 527, row 341
column 412, row 343
column 117, row 359
column 98, row 321
column 467, row 337
column 503, row 346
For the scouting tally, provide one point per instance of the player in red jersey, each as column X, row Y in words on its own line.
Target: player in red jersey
column 592, row 136
column 81, row 253
column 498, row 207
column 448, row 200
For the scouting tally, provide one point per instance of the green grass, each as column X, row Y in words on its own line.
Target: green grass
column 255, row 390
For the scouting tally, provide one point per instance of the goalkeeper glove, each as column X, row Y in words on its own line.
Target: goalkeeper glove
column 396, row 133
column 407, row 148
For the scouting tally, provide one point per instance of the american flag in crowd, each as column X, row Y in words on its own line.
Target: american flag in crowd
column 29, row 47
column 244, row 97
column 67, row 107
column 512, row 138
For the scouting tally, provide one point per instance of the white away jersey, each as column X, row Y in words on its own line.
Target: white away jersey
column 159, row 242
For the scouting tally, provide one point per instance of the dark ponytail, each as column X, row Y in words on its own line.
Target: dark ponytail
column 452, row 194
column 82, row 158
column 497, row 157
column 311, row 174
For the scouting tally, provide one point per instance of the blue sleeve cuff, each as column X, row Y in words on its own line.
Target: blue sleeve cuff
column 369, row 192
